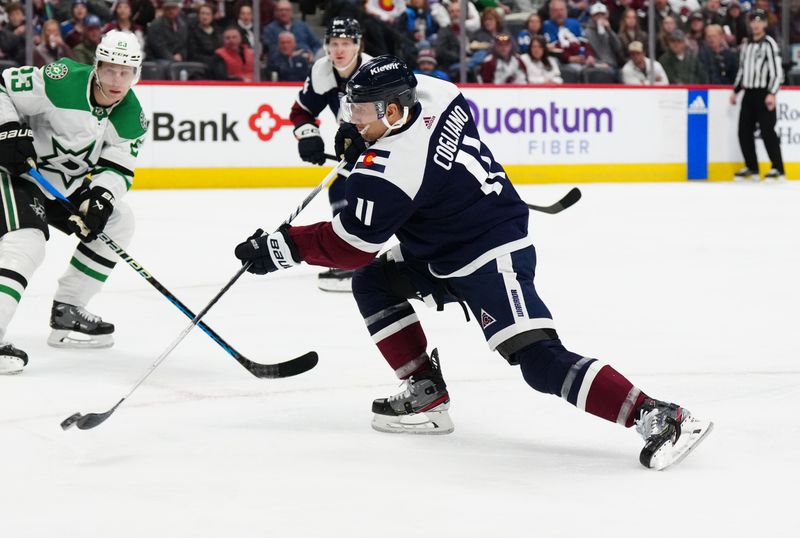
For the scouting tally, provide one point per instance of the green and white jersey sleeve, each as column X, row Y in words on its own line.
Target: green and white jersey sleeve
column 74, row 138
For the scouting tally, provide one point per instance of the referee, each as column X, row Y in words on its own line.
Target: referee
column 760, row 75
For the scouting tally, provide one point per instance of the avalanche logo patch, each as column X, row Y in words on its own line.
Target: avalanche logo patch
column 372, row 160
column 486, row 319
column 428, row 120
column 56, row 71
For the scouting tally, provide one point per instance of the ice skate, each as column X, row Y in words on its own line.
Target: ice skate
column 338, row 280
column 745, row 174
column 75, row 327
column 670, row 433
column 773, row 176
column 12, row 360
column 421, row 408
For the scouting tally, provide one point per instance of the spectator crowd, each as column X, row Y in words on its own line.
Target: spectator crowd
column 509, row 41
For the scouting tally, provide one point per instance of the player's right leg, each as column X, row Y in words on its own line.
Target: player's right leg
column 73, row 326
column 23, row 235
column 382, row 290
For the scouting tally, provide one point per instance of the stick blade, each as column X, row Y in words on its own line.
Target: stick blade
column 568, row 200
column 91, row 420
column 299, row 365
column 571, row 197
column 288, row 368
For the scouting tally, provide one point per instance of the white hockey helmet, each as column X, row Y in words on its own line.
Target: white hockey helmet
column 121, row 48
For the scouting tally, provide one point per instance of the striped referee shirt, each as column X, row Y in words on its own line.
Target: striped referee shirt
column 760, row 67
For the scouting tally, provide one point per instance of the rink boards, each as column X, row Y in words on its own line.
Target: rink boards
column 205, row 135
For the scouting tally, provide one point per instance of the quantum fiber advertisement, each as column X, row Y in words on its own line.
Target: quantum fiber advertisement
column 208, row 135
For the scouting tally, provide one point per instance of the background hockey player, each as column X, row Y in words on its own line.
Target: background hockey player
column 323, row 88
column 83, row 120
column 428, row 179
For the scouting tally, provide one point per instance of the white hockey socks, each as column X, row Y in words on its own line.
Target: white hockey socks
column 21, row 252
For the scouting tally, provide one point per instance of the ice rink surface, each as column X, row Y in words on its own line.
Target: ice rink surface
column 691, row 290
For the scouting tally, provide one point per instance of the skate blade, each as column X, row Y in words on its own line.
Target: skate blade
column 11, row 365
column 693, row 432
column 428, row 423
column 75, row 340
column 336, row 285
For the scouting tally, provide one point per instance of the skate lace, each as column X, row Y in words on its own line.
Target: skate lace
column 91, row 318
column 648, row 423
column 406, row 393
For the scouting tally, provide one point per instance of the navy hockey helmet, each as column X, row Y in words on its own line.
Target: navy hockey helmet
column 378, row 82
column 344, row 28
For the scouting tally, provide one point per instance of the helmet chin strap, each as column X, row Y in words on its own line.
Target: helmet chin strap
column 396, row 125
column 99, row 86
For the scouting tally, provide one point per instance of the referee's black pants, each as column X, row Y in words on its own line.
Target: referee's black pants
column 753, row 112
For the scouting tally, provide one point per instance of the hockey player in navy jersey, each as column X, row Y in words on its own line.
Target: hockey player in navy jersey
column 423, row 175
column 323, row 88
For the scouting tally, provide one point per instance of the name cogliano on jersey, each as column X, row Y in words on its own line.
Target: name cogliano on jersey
column 450, row 137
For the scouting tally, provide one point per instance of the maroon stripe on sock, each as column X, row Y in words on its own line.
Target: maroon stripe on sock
column 607, row 393
column 404, row 346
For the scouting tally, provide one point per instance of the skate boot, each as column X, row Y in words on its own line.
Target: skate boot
column 670, row 432
column 336, row 280
column 75, row 327
column 773, row 176
column 420, row 408
column 745, row 174
column 12, row 360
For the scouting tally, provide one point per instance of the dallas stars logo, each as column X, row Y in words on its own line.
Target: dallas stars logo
column 38, row 208
column 70, row 165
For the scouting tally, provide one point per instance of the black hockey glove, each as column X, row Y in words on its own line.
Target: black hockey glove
column 310, row 144
column 268, row 252
column 349, row 144
column 16, row 147
column 95, row 209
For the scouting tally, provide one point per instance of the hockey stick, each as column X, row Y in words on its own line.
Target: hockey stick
column 568, row 200
column 282, row 369
column 91, row 420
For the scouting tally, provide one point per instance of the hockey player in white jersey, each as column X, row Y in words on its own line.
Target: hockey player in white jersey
column 324, row 88
column 73, row 121
column 429, row 180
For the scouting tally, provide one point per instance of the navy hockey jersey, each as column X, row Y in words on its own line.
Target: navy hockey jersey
column 434, row 185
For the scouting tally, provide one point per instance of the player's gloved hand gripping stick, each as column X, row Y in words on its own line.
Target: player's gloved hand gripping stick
column 292, row 367
column 299, row 365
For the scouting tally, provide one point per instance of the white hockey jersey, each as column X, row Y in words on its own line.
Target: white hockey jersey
column 72, row 137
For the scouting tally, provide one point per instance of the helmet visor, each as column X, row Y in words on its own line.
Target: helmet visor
column 362, row 113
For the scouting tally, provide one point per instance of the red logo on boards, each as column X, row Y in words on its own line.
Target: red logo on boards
column 266, row 123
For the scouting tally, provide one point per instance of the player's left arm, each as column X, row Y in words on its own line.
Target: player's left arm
column 375, row 210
